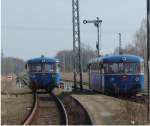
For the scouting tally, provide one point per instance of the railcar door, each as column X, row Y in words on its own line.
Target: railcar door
column 89, row 68
column 97, row 78
column 102, row 78
column 94, row 76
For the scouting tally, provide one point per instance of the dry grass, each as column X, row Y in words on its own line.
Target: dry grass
column 70, row 76
column 14, row 107
column 137, row 112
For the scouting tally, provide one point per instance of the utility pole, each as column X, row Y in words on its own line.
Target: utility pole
column 2, row 54
column 2, row 62
column 96, row 23
column 64, row 63
column 148, row 57
column 76, row 42
column 120, row 44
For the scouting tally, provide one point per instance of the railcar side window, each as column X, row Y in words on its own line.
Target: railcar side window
column 142, row 67
column 105, row 68
column 27, row 66
column 57, row 67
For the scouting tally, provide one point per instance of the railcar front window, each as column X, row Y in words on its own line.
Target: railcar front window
column 49, row 67
column 120, row 68
column 38, row 68
column 113, row 68
column 35, row 68
column 132, row 67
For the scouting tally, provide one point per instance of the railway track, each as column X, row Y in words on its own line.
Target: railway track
column 47, row 110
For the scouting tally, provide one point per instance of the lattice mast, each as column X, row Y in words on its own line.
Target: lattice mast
column 148, row 57
column 76, row 42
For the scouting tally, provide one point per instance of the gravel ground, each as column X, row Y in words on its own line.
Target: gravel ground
column 14, row 108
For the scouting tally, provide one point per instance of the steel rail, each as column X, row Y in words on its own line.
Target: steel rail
column 64, row 117
column 31, row 115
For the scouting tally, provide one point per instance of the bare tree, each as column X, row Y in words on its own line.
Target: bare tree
column 138, row 45
column 12, row 65
column 66, row 58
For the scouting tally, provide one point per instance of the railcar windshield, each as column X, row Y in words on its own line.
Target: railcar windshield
column 49, row 67
column 35, row 68
column 52, row 67
column 114, row 68
column 44, row 67
column 132, row 67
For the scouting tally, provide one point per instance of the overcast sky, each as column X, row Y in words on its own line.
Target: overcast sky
column 34, row 27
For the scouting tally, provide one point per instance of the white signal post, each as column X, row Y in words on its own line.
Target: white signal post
column 96, row 23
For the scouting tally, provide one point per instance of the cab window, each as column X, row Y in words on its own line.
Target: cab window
column 132, row 67
column 49, row 67
column 35, row 68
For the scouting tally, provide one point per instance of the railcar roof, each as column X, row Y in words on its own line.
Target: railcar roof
column 117, row 59
column 42, row 59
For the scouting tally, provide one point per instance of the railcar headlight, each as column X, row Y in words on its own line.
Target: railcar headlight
column 137, row 79
column 112, row 79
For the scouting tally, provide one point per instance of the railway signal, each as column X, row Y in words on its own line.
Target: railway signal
column 120, row 44
column 97, row 24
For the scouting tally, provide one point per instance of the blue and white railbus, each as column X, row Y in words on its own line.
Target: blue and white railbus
column 116, row 74
column 43, row 72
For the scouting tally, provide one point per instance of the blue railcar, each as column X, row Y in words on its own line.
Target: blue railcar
column 117, row 74
column 43, row 73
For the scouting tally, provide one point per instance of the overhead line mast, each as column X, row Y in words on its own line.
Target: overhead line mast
column 148, row 57
column 76, row 42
